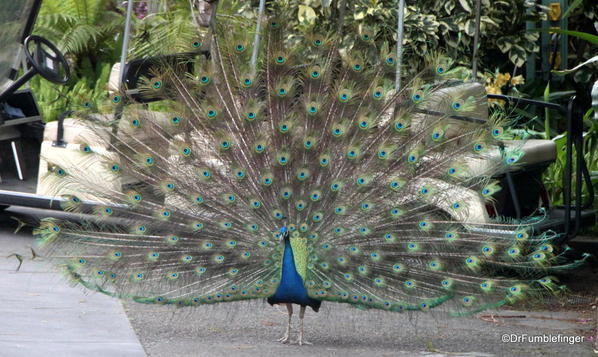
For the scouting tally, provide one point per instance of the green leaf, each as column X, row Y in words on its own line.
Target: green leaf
column 567, row 71
column 465, row 5
column 449, row 6
column 571, row 8
column 306, row 14
column 582, row 35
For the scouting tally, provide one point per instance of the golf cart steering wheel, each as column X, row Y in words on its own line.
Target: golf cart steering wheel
column 46, row 59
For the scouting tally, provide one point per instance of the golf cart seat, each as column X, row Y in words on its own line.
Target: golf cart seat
column 536, row 152
column 63, row 138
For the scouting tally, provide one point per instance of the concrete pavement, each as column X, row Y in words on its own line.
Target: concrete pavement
column 41, row 315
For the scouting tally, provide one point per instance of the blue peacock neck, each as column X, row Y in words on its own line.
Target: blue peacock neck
column 292, row 286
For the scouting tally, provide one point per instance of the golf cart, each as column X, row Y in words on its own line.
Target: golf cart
column 523, row 194
column 21, row 125
column 24, row 138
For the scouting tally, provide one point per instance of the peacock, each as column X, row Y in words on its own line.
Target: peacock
column 299, row 175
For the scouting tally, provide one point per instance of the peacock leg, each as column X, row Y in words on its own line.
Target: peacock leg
column 301, row 315
column 285, row 338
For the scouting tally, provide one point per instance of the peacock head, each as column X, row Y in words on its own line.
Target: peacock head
column 283, row 233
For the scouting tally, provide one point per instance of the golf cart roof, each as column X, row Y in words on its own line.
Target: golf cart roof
column 16, row 20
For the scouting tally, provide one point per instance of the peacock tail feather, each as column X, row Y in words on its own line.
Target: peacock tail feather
column 376, row 187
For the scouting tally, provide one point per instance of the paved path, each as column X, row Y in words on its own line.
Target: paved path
column 251, row 328
column 41, row 315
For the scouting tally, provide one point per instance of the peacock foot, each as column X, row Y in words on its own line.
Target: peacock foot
column 302, row 342
column 284, row 339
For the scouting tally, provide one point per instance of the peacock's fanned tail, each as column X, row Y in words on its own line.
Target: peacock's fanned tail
column 379, row 183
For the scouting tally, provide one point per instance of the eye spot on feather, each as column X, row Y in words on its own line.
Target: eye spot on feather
column 447, row 283
column 340, row 210
column 302, row 175
column 277, row 214
column 487, row 250
column 175, row 120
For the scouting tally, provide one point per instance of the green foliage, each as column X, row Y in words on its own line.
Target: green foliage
column 163, row 33
column 53, row 100
column 79, row 26
column 86, row 31
column 438, row 25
